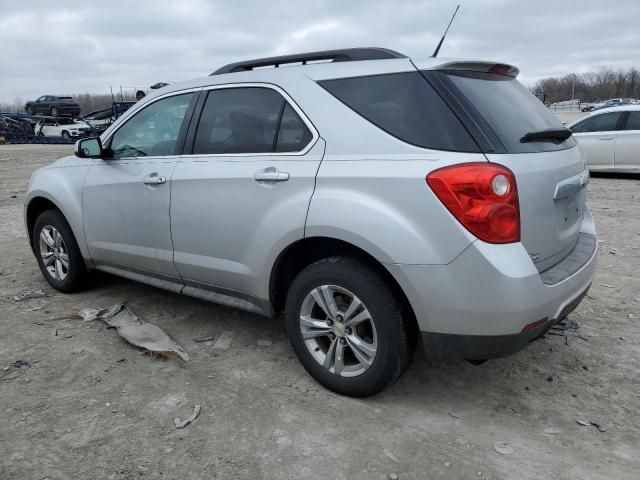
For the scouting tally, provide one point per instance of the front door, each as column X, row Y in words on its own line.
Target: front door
column 597, row 137
column 243, row 193
column 628, row 143
column 126, row 197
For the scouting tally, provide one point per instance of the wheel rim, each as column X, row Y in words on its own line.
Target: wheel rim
column 53, row 251
column 338, row 330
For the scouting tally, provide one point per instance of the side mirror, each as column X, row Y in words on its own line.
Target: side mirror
column 89, row 148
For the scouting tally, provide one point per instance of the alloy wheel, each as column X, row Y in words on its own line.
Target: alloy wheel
column 338, row 330
column 53, row 251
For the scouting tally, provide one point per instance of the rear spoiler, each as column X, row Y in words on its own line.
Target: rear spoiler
column 469, row 66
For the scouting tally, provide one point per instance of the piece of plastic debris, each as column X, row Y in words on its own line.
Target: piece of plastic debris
column 20, row 364
column 503, row 448
column 141, row 334
column 207, row 338
column 107, row 404
column 586, row 423
column 224, row 340
column 29, row 295
column 552, row 430
column 265, row 343
column 456, row 415
column 183, row 423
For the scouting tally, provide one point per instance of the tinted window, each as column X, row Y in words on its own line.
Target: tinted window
column 633, row 122
column 245, row 120
column 508, row 109
column 152, row 131
column 293, row 134
column 598, row 123
column 405, row 106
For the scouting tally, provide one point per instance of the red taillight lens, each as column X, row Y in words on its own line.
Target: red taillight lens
column 483, row 197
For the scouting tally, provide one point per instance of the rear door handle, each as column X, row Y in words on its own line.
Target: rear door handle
column 607, row 137
column 271, row 175
column 154, row 179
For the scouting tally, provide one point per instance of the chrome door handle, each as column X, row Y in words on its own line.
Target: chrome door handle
column 607, row 137
column 271, row 175
column 154, row 179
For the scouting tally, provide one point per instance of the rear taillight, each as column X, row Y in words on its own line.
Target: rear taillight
column 483, row 197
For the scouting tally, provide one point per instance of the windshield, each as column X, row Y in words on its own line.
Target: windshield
column 507, row 108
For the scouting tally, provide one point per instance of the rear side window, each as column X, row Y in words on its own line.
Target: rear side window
column 633, row 122
column 405, row 106
column 506, row 107
column 293, row 135
column 249, row 120
column 598, row 123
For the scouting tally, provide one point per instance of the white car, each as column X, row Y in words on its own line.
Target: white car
column 610, row 139
column 62, row 127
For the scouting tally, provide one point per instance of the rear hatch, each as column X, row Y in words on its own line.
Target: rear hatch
column 549, row 168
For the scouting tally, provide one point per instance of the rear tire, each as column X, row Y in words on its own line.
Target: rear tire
column 368, row 354
column 30, row 111
column 54, row 112
column 57, row 252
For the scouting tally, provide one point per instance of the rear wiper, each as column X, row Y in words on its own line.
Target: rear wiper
column 546, row 134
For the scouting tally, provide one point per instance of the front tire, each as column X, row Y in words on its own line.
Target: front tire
column 346, row 327
column 54, row 112
column 65, row 134
column 57, row 252
column 30, row 111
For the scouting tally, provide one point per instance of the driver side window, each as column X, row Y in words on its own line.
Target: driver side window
column 153, row 131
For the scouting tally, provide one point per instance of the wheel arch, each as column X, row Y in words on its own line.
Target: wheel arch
column 298, row 255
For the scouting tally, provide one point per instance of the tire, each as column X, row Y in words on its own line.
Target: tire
column 384, row 331
column 140, row 95
column 74, row 274
column 30, row 111
column 54, row 112
column 65, row 134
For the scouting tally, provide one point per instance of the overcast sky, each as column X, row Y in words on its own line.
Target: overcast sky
column 87, row 46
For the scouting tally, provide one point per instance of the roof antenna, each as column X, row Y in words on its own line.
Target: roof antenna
column 435, row 53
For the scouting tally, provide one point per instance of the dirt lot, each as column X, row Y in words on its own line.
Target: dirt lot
column 92, row 406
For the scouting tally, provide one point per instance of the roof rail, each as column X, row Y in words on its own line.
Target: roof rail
column 342, row 55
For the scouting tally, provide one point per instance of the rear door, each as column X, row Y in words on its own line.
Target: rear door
column 242, row 194
column 627, row 147
column 597, row 137
column 126, row 197
column 500, row 111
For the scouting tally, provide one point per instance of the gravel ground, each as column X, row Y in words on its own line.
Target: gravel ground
column 91, row 406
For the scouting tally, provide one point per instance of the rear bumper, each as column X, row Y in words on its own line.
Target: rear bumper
column 478, row 305
column 443, row 346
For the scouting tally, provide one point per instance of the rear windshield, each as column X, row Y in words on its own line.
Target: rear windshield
column 405, row 106
column 507, row 108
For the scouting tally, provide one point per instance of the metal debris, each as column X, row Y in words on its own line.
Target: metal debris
column 141, row 334
column 29, row 295
column 183, row 423
column 206, row 338
column 503, row 448
column 586, row 423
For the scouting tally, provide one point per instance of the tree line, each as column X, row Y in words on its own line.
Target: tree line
column 590, row 87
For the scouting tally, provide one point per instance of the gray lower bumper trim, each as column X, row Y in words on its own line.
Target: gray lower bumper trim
column 579, row 256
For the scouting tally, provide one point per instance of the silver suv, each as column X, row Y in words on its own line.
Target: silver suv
column 376, row 200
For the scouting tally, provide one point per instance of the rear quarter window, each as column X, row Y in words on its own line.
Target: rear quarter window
column 406, row 106
column 602, row 122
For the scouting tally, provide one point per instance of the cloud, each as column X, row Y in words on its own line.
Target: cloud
column 83, row 46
